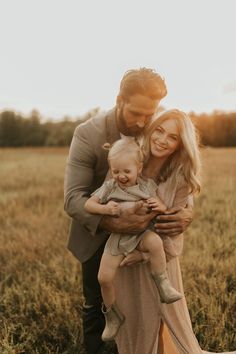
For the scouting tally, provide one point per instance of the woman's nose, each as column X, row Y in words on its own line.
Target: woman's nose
column 162, row 139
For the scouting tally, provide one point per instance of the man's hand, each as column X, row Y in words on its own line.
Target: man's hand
column 133, row 219
column 174, row 221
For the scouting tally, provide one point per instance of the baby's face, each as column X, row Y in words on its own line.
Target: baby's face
column 125, row 170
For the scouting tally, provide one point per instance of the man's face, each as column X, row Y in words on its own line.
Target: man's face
column 135, row 113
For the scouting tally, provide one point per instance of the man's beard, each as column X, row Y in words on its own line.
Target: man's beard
column 122, row 126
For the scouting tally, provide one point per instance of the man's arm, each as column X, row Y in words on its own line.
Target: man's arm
column 133, row 219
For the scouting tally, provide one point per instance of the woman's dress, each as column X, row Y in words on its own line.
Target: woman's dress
column 138, row 299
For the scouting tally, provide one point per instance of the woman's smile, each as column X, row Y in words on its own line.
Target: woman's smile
column 159, row 146
column 165, row 139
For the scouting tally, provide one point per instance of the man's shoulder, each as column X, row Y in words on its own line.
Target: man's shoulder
column 96, row 123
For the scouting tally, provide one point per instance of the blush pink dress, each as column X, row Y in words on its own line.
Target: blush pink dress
column 137, row 298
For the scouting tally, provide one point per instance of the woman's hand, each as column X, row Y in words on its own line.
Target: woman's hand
column 174, row 221
column 132, row 258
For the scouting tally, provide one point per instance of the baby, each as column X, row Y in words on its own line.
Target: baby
column 125, row 160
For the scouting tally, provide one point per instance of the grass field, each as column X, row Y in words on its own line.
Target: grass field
column 40, row 291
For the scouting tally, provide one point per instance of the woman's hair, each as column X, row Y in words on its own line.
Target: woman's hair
column 123, row 147
column 142, row 81
column 186, row 159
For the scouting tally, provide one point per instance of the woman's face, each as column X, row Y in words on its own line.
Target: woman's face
column 165, row 139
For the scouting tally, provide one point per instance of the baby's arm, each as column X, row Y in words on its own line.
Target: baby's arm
column 94, row 206
column 156, row 204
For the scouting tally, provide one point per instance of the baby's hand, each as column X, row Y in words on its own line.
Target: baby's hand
column 156, row 204
column 113, row 208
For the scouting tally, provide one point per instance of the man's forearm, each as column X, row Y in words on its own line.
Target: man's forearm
column 129, row 222
column 175, row 223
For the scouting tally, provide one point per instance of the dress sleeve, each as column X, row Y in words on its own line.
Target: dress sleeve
column 173, row 245
column 79, row 177
column 182, row 195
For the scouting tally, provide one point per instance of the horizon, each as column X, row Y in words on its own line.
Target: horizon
column 44, row 118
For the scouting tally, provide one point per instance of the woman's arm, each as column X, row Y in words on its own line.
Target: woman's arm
column 177, row 219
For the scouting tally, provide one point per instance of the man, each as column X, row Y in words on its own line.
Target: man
column 138, row 99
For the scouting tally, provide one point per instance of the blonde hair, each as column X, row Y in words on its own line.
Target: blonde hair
column 142, row 81
column 186, row 159
column 123, row 147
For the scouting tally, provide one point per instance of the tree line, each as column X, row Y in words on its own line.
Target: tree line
column 216, row 129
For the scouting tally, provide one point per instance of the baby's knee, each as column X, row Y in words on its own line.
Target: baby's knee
column 154, row 242
column 104, row 279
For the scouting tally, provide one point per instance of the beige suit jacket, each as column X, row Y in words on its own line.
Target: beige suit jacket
column 86, row 170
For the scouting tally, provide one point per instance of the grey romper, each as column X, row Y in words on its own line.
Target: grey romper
column 145, row 188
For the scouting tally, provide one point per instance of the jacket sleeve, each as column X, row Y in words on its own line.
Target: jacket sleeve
column 79, row 176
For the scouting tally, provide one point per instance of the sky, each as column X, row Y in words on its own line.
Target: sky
column 65, row 57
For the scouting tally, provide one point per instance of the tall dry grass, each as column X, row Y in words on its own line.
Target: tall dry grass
column 40, row 291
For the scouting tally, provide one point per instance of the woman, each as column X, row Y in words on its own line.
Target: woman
column 173, row 162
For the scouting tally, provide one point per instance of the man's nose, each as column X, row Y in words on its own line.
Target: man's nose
column 141, row 122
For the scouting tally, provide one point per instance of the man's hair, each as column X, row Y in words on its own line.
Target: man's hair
column 142, row 81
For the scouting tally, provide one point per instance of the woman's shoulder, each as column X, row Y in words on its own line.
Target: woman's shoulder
column 180, row 178
column 175, row 181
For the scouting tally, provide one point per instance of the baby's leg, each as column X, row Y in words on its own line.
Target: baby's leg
column 153, row 244
column 107, row 271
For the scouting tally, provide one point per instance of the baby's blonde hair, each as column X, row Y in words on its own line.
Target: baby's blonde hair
column 123, row 147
